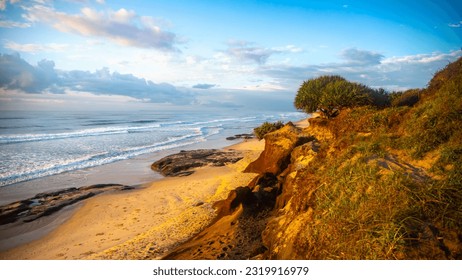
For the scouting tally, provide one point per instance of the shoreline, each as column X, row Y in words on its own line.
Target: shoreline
column 133, row 219
column 136, row 171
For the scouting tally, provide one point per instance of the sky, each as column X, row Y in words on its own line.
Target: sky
column 98, row 54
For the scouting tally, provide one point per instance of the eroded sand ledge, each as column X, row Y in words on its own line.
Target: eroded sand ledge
column 145, row 223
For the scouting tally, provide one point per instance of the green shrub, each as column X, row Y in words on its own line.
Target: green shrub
column 330, row 94
column 408, row 98
column 380, row 98
column 266, row 128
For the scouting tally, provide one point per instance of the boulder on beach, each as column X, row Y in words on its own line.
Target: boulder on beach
column 182, row 164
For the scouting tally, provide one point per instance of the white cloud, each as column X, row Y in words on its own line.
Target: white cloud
column 423, row 58
column 70, row 100
column 455, row 25
column 289, row 49
column 35, row 48
column 361, row 57
column 123, row 27
column 370, row 68
column 17, row 74
column 247, row 51
column 4, row 2
column 13, row 24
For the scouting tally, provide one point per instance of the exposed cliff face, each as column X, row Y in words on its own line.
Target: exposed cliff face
column 293, row 207
column 278, row 146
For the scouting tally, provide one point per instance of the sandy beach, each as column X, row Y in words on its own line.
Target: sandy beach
column 141, row 224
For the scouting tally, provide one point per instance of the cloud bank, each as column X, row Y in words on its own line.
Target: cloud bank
column 124, row 27
column 361, row 57
column 17, row 74
column 370, row 68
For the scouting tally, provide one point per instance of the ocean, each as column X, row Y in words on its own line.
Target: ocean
column 38, row 148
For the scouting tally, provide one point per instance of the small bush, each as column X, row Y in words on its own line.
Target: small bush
column 380, row 98
column 330, row 94
column 266, row 128
column 408, row 98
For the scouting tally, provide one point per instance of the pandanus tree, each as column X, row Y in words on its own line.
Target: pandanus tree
column 329, row 94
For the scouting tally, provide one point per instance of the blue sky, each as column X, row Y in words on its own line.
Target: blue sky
column 215, row 53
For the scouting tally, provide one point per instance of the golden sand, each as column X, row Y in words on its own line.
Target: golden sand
column 144, row 223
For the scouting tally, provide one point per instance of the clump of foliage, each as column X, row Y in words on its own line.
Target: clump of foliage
column 266, row 128
column 380, row 98
column 330, row 94
column 407, row 98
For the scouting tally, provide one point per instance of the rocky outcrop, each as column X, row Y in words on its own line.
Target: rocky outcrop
column 293, row 207
column 278, row 147
column 45, row 204
column 301, row 156
column 181, row 164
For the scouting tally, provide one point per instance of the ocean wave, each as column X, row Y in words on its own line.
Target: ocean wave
column 32, row 160
column 98, row 159
column 18, row 138
column 113, row 130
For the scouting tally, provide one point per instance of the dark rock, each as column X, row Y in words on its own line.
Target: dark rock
column 266, row 189
column 243, row 195
column 180, row 164
column 264, row 180
column 44, row 204
column 241, row 136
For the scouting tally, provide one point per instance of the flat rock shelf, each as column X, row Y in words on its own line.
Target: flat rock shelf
column 45, row 204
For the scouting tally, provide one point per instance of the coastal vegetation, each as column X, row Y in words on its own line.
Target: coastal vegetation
column 385, row 183
column 378, row 176
column 329, row 94
column 266, row 128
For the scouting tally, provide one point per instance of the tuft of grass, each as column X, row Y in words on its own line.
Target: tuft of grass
column 356, row 214
column 361, row 212
column 266, row 128
column 435, row 121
